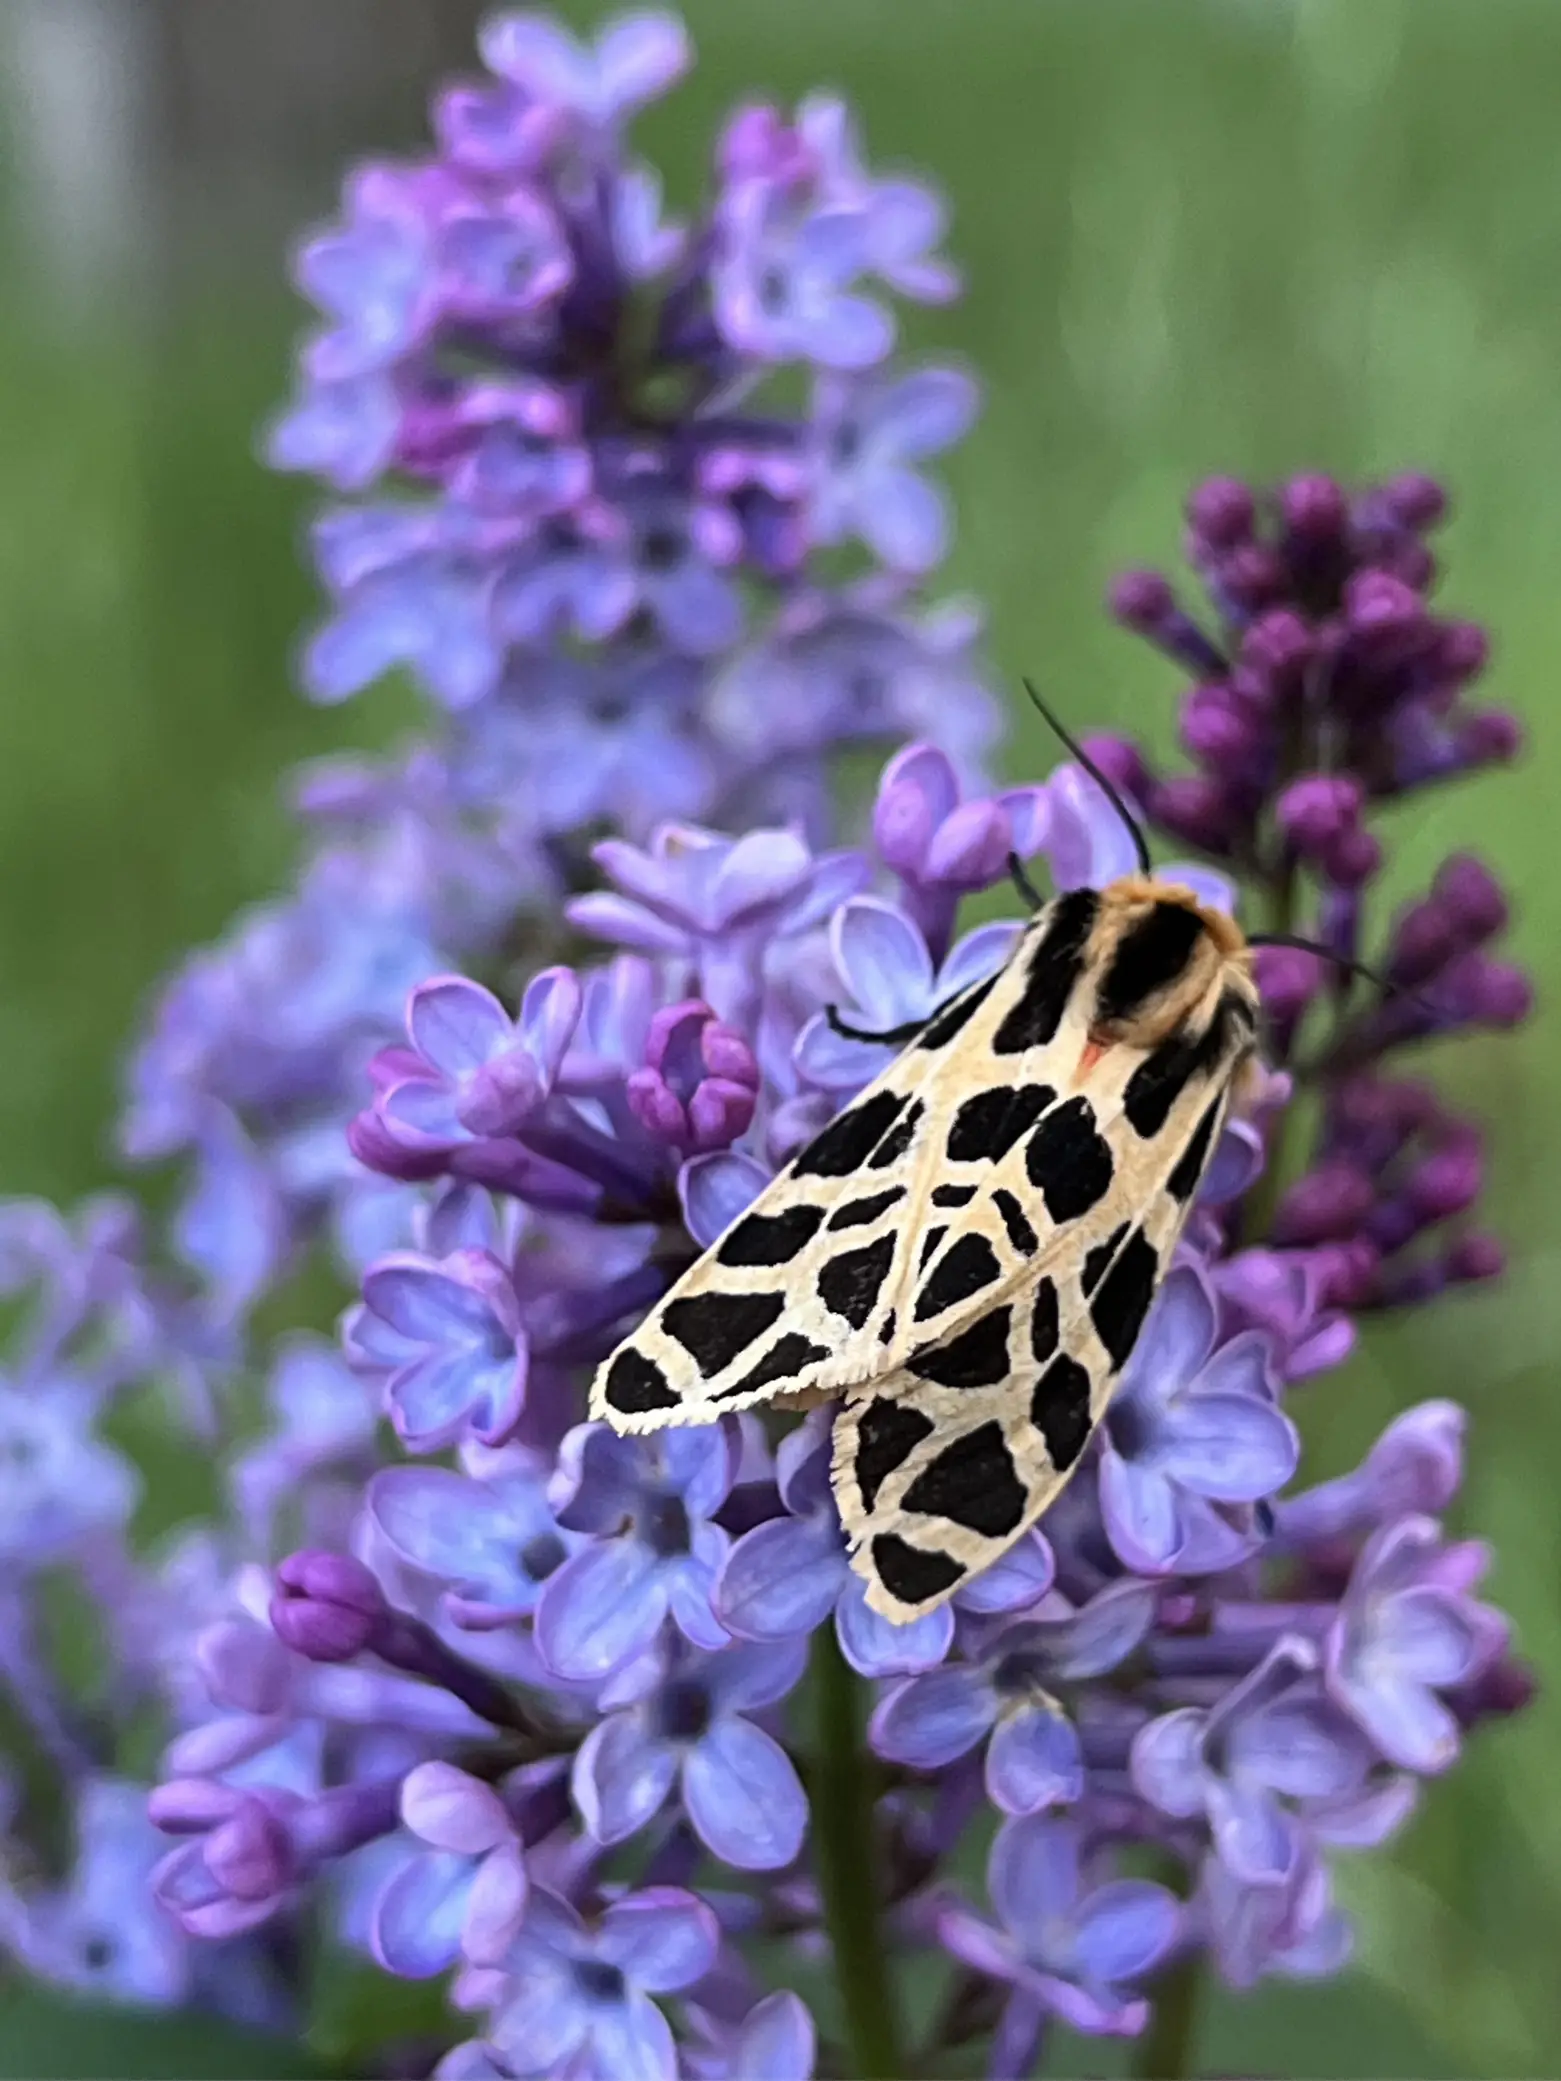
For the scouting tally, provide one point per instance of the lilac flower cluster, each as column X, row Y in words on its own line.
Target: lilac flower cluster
column 522, row 1703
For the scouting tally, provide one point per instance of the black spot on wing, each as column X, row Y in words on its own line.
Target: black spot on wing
column 886, row 1435
column 847, row 1142
column 977, row 1357
column 849, row 1284
column 1059, row 1409
column 897, row 1140
column 1097, row 1262
column 929, row 1244
column 886, row 1334
column 1122, row 1298
column 972, row 1483
column 1054, row 968
column 967, row 1266
column 1183, row 1181
column 636, row 1384
column 1020, row 1233
column 770, row 1239
column 1150, row 956
column 953, row 1195
column 911, row 1573
column 714, row 1327
column 1045, row 1323
column 987, row 1126
column 1068, row 1160
column 942, row 1027
column 1164, row 1074
column 856, row 1213
column 786, row 1358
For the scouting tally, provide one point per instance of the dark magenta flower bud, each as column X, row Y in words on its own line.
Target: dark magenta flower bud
column 1352, row 858
column 1327, row 1205
column 1472, row 898
column 1220, row 512
column 1415, row 500
column 1316, row 810
column 327, row 1606
column 1315, row 508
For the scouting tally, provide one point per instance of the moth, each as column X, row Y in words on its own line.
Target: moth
column 967, row 1253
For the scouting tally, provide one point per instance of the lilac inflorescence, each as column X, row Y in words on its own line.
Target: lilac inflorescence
column 479, row 1688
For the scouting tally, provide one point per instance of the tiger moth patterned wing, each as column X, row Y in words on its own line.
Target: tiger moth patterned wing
column 1007, row 1134
column 814, row 1288
column 951, row 1459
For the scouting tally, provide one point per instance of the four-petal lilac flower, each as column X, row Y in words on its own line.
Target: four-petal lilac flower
column 1006, row 1689
column 1191, row 1428
column 1065, row 1948
column 686, row 1725
column 1274, row 1736
column 1406, row 1631
column 577, row 1998
column 654, row 1554
column 464, row 1894
column 445, row 1337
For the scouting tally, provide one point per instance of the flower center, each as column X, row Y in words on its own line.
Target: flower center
column 598, row 1981
column 1128, row 1427
column 664, row 1526
column 1020, row 1674
column 541, row 1555
column 683, row 1711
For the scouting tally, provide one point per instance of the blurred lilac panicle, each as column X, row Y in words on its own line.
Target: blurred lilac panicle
column 457, row 1680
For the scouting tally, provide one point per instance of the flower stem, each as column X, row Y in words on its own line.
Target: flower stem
column 1166, row 2050
column 846, row 1851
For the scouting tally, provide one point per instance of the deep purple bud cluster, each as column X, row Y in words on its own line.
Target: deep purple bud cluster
column 1326, row 683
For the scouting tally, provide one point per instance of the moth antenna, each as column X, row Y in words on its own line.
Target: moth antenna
column 1310, row 946
column 1023, row 883
column 1140, row 842
column 889, row 1035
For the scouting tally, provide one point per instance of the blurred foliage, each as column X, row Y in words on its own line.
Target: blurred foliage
column 1235, row 235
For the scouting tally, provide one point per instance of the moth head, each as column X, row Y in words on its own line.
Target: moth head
column 1163, row 961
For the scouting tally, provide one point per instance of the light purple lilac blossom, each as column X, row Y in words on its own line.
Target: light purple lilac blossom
column 446, row 1663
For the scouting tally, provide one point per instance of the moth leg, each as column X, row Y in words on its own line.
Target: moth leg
column 890, row 1034
column 1022, row 882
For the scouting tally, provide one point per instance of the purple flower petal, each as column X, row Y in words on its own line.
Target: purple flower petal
column 714, row 1190
column 455, row 1024
column 631, row 2042
column 1124, row 1929
column 1034, row 1761
column 883, row 959
column 1015, row 1580
column 661, row 1939
column 602, row 1607
column 621, row 1777
column 419, row 1916
column 452, row 1810
column 1167, row 1762
column 1429, row 1636
column 876, row 1647
column 1303, row 1747
column 1140, row 1509
column 757, row 1673
column 497, row 1905
column 932, row 1719
column 1229, row 1447
column 781, row 1578
column 743, row 1797
column 778, row 2041
column 1033, row 1878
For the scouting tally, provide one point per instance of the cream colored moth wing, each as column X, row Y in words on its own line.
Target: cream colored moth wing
column 952, row 1458
column 807, row 1291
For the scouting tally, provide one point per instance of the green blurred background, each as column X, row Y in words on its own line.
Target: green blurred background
column 1234, row 235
